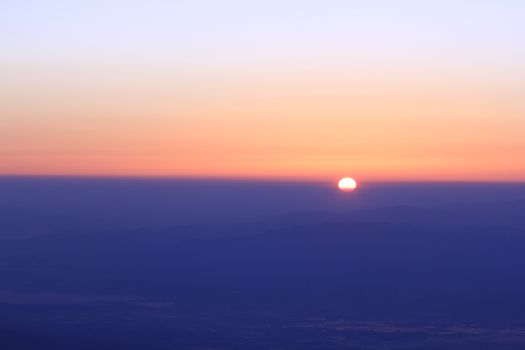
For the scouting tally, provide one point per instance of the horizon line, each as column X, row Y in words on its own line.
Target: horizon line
column 270, row 179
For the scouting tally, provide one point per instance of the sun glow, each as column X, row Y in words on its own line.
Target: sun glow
column 347, row 184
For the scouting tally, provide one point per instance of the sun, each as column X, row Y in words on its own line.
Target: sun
column 347, row 184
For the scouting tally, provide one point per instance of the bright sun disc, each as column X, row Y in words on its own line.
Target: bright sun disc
column 347, row 184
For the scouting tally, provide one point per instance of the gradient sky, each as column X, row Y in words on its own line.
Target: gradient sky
column 379, row 90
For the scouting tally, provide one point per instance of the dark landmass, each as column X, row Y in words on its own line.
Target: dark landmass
column 138, row 264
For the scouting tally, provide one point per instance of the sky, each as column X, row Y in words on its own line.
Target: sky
column 378, row 90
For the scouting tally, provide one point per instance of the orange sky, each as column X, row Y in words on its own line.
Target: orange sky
column 381, row 91
column 294, row 125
